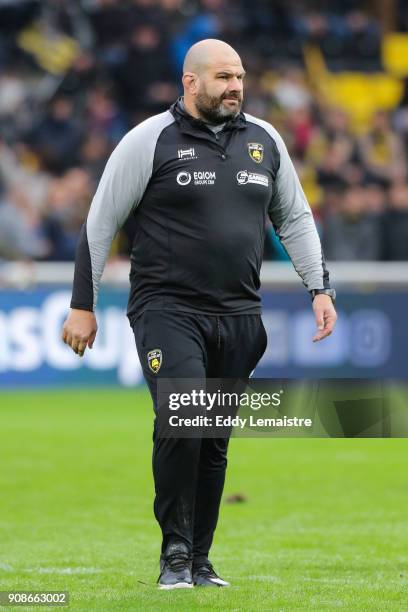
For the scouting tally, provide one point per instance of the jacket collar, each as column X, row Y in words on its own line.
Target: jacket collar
column 187, row 121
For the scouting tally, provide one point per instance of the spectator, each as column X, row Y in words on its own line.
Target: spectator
column 291, row 92
column 110, row 22
column 20, row 227
column 333, row 151
column 94, row 153
column 352, row 233
column 104, row 115
column 68, row 202
column 57, row 138
column 382, row 151
column 19, row 168
column 13, row 92
column 145, row 78
column 396, row 224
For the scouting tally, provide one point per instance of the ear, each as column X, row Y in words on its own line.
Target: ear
column 190, row 82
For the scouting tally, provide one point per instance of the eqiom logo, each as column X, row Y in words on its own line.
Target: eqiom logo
column 183, row 178
column 200, row 177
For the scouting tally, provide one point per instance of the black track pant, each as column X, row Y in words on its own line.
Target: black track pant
column 189, row 474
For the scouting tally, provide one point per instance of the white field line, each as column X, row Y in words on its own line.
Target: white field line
column 63, row 570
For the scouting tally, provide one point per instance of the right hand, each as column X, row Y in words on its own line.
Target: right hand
column 79, row 330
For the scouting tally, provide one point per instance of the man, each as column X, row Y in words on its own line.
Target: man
column 200, row 179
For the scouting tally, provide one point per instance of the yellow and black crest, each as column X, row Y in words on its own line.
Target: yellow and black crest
column 255, row 151
column 154, row 359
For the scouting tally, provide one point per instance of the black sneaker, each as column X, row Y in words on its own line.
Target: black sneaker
column 204, row 575
column 175, row 568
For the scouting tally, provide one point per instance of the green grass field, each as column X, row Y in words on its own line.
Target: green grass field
column 324, row 526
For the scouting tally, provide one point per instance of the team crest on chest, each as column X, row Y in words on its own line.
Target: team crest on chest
column 154, row 359
column 255, row 151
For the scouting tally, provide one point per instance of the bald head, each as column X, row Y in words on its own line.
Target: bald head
column 213, row 81
column 208, row 54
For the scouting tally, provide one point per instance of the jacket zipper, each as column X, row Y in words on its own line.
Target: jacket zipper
column 208, row 137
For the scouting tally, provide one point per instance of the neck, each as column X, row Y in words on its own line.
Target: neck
column 191, row 108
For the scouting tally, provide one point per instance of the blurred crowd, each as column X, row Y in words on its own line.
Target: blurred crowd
column 120, row 61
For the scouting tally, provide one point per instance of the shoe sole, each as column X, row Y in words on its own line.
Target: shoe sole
column 212, row 584
column 208, row 582
column 178, row 585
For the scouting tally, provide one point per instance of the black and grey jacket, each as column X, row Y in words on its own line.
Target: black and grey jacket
column 201, row 202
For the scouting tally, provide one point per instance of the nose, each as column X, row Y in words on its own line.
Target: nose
column 236, row 84
column 235, row 87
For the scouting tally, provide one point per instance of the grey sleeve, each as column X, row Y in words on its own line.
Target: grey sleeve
column 121, row 188
column 293, row 220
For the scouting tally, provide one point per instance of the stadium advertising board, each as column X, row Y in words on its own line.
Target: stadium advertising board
column 370, row 339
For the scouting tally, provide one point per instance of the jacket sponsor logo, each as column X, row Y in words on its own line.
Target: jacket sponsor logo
column 154, row 359
column 244, row 177
column 183, row 178
column 187, row 153
column 256, row 151
column 200, row 177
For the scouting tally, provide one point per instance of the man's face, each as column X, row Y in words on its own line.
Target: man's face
column 220, row 92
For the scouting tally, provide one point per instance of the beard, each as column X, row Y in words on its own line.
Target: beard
column 212, row 109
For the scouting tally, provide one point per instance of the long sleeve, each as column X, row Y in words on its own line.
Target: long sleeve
column 120, row 190
column 293, row 220
column 292, row 217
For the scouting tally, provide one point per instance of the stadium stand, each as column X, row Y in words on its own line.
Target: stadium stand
column 74, row 77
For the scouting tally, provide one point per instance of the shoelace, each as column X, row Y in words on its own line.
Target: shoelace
column 205, row 570
column 177, row 561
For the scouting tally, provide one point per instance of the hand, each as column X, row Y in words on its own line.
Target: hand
column 79, row 330
column 325, row 314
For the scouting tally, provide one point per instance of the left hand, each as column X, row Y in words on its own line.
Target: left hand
column 325, row 314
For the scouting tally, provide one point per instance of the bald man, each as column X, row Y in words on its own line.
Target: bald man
column 201, row 180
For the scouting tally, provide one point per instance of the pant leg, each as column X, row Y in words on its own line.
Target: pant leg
column 175, row 460
column 242, row 343
column 239, row 343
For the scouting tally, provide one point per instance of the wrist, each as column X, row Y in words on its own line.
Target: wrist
column 330, row 292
